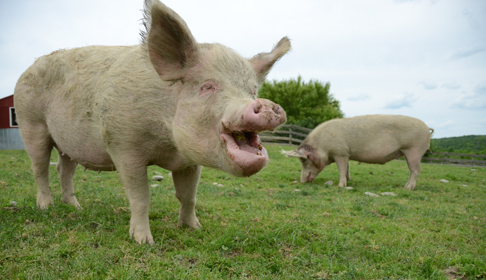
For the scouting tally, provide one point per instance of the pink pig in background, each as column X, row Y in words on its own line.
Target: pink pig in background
column 169, row 102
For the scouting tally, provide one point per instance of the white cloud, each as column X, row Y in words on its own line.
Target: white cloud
column 428, row 85
column 471, row 19
column 359, row 98
column 473, row 101
column 469, row 102
column 400, row 101
column 466, row 52
column 445, row 124
column 481, row 89
column 451, row 85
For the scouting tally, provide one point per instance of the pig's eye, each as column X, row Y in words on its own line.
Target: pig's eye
column 207, row 89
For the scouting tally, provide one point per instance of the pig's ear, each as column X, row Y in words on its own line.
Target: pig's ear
column 294, row 154
column 171, row 46
column 263, row 62
column 314, row 158
column 311, row 154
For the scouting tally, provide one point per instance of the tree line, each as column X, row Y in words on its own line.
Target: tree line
column 469, row 144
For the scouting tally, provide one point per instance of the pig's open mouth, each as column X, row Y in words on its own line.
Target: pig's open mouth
column 245, row 150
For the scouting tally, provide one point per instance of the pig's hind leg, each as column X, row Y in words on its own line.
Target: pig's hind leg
column 185, row 183
column 38, row 144
column 343, row 167
column 66, row 169
column 348, row 174
column 413, row 158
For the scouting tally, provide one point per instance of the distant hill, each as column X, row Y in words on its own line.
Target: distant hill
column 471, row 144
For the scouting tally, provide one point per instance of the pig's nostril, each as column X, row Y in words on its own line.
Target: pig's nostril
column 257, row 108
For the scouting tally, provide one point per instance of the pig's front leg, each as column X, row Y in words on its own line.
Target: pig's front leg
column 185, row 183
column 343, row 167
column 134, row 179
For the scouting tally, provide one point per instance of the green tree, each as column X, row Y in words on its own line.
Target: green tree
column 306, row 104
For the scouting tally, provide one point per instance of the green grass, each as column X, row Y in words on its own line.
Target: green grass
column 253, row 228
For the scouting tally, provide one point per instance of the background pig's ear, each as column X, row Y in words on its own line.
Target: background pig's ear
column 171, row 46
column 294, row 153
column 263, row 62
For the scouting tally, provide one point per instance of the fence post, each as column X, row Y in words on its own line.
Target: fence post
column 290, row 135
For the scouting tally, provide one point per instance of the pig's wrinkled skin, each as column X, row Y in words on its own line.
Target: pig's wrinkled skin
column 169, row 102
column 369, row 139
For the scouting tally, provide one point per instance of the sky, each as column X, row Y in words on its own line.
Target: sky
column 421, row 58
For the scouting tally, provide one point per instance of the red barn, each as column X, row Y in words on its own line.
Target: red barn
column 9, row 130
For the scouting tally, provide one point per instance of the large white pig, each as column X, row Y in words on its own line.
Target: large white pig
column 369, row 139
column 169, row 101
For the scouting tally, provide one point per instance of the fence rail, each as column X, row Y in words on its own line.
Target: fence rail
column 286, row 134
column 455, row 158
column 294, row 135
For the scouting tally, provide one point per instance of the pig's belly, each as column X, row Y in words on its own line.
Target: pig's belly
column 88, row 155
column 379, row 157
column 83, row 146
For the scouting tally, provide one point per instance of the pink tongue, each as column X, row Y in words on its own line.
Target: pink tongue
column 244, row 145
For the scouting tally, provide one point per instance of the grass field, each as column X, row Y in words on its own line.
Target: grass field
column 267, row 226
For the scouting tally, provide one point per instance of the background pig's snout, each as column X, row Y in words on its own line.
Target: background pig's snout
column 263, row 114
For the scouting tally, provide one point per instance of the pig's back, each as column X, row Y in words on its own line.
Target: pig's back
column 69, row 91
column 65, row 79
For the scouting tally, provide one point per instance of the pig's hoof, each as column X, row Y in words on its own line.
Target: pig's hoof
column 192, row 223
column 410, row 187
column 143, row 238
column 44, row 202
column 141, row 234
column 72, row 201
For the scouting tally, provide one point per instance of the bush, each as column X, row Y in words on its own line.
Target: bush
column 306, row 104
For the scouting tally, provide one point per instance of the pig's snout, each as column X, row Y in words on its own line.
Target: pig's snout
column 263, row 114
column 306, row 177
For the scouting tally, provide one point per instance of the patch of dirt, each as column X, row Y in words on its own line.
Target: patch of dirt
column 13, row 209
column 454, row 273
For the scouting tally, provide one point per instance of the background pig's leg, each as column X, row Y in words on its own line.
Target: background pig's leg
column 38, row 144
column 343, row 167
column 413, row 158
column 348, row 175
column 133, row 175
column 185, row 182
column 66, row 168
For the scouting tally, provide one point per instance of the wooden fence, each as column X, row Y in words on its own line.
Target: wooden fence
column 454, row 158
column 286, row 134
column 294, row 135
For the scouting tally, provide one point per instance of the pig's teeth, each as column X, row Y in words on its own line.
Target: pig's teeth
column 62, row 154
column 85, row 169
column 99, row 171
